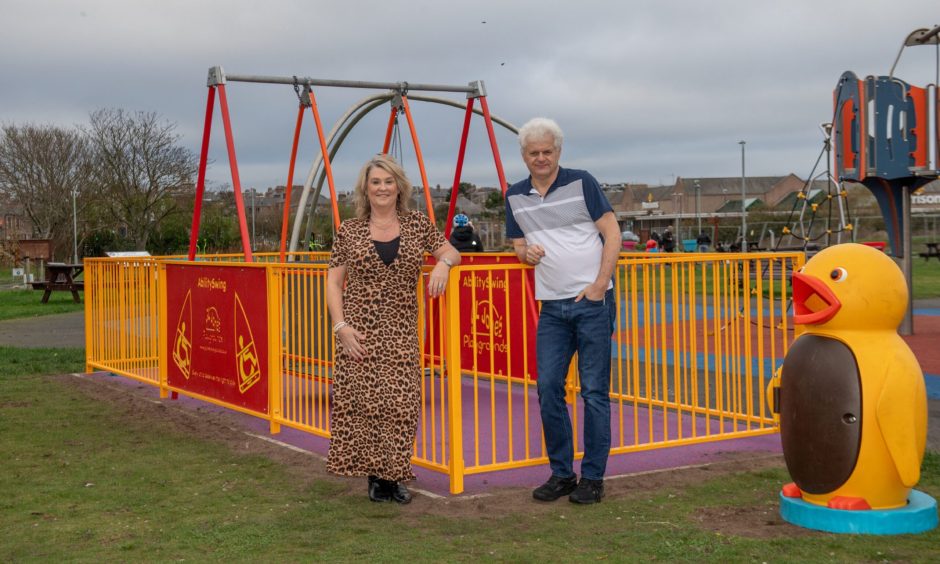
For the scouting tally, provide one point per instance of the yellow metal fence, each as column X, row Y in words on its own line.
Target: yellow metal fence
column 696, row 339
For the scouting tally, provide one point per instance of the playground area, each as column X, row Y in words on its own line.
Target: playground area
column 698, row 339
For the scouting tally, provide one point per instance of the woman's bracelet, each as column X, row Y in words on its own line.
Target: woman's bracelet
column 339, row 326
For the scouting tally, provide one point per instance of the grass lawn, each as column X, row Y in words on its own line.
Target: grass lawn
column 27, row 303
column 926, row 278
column 91, row 477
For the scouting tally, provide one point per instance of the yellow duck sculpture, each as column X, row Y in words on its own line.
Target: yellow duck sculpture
column 852, row 404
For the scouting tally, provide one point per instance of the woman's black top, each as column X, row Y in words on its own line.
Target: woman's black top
column 387, row 250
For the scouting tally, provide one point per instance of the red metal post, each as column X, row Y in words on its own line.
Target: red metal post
column 236, row 183
column 533, row 307
column 492, row 134
column 420, row 158
column 324, row 150
column 388, row 130
column 290, row 181
column 201, row 177
column 448, row 227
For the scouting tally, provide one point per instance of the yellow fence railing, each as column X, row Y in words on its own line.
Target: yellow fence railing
column 697, row 337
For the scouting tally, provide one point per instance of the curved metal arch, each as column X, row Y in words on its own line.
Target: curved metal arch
column 373, row 102
column 302, row 202
column 318, row 172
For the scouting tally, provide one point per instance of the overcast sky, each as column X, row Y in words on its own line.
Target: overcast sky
column 645, row 91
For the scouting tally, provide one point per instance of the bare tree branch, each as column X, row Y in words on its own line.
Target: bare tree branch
column 40, row 166
column 140, row 167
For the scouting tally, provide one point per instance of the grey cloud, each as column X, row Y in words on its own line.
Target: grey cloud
column 644, row 90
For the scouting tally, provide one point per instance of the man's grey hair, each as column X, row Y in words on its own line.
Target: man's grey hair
column 538, row 128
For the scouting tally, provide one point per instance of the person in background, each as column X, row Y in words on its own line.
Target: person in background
column 374, row 269
column 703, row 241
column 669, row 242
column 561, row 223
column 463, row 237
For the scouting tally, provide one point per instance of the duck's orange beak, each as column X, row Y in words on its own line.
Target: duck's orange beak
column 813, row 302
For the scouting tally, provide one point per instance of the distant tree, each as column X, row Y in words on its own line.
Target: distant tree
column 40, row 166
column 219, row 231
column 494, row 201
column 140, row 169
column 99, row 242
column 171, row 236
column 219, row 224
column 466, row 189
column 268, row 222
column 440, row 214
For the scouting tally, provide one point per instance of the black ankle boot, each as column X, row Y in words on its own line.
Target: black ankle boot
column 400, row 493
column 379, row 490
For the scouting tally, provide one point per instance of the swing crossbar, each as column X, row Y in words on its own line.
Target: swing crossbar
column 218, row 76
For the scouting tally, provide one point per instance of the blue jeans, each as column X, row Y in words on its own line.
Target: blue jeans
column 566, row 326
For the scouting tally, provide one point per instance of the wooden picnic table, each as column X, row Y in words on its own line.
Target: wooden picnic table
column 60, row 276
column 932, row 251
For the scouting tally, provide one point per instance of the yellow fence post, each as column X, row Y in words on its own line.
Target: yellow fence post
column 274, row 348
column 454, row 376
column 90, row 296
column 161, row 333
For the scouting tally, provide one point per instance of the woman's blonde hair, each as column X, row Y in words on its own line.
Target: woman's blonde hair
column 389, row 165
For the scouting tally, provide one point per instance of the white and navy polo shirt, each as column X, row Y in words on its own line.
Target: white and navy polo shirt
column 563, row 223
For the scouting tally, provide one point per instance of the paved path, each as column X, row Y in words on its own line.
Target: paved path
column 61, row 330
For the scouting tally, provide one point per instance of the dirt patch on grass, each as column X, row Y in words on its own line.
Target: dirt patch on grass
column 502, row 501
column 752, row 521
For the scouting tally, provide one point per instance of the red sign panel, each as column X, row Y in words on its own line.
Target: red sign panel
column 498, row 318
column 217, row 325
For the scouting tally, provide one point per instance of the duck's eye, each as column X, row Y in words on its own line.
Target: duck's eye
column 838, row 274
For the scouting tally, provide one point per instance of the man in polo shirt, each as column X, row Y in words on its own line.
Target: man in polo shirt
column 561, row 223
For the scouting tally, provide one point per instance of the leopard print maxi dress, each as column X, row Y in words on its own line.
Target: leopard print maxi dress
column 376, row 402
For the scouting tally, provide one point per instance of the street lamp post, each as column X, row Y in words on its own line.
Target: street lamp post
column 677, row 202
column 698, row 207
column 743, row 202
column 74, row 228
column 252, row 217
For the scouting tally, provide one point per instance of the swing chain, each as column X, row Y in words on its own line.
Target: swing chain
column 302, row 96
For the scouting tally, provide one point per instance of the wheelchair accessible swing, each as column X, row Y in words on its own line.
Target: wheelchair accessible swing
column 395, row 93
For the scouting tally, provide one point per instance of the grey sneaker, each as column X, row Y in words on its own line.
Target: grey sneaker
column 554, row 488
column 588, row 491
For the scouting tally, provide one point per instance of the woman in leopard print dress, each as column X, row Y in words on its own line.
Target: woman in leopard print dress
column 372, row 299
